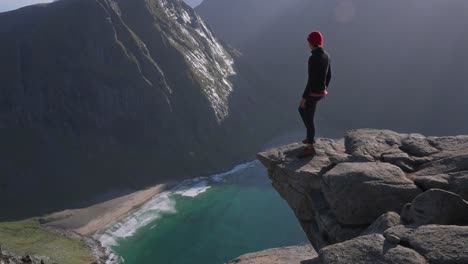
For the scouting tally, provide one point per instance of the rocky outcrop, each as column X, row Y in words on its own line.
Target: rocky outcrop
column 7, row 257
column 441, row 244
column 284, row 255
column 347, row 198
column 437, row 207
column 369, row 249
column 359, row 192
column 383, row 223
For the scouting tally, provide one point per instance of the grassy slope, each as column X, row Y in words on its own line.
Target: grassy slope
column 27, row 237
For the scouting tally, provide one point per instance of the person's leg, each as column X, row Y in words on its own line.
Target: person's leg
column 302, row 112
column 309, row 116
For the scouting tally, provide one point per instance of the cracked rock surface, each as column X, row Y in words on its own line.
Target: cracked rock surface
column 349, row 197
column 284, row 255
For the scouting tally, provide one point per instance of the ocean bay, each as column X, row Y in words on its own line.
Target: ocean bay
column 208, row 220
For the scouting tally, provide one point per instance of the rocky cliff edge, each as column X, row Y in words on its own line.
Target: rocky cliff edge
column 377, row 196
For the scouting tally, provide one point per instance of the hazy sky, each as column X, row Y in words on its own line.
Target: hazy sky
column 6, row 5
column 193, row 3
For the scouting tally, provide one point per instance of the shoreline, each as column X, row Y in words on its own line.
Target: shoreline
column 90, row 220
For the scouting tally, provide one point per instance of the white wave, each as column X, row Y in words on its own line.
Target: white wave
column 221, row 176
column 159, row 206
column 192, row 188
column 152, row 210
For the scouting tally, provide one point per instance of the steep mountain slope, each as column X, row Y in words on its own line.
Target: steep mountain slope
column 98, row 95
column 397, row 64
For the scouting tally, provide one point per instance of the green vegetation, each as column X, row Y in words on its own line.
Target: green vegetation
column 27, row 237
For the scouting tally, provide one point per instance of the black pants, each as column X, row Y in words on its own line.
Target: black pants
column 307, row 115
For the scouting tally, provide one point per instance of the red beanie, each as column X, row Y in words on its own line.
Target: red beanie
column 315, row 38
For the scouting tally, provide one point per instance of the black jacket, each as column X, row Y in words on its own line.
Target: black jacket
column 319, row 72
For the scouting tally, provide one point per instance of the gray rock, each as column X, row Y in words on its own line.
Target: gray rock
column 298, row 181
column 358, row 193
column 418, row 146
column 372, row 143
column 382, row 223
column 444, row 166
column 449, row 144
column 370, row 249
column 433, row 182
column 401, row 160
column 449, row 173
column 7, row 257
column 437, row 207
column 294, row 179
column 332, row 231
column 340, row 158
column 405, row 214
column 438, row 244
column 456, row 182
column 338, row 193
column 284, row 255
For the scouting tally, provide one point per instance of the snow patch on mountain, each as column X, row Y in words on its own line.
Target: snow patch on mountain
column 209, row 62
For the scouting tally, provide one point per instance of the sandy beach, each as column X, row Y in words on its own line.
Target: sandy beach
column 87, row 221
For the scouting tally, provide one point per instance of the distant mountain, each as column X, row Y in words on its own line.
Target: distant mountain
column 98, row 95
column 397, row 64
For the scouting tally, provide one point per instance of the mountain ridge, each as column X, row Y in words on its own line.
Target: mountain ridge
column 97, row 91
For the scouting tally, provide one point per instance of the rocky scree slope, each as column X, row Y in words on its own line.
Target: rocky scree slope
column 378, row 196
column 97, row 95
column 10, row 258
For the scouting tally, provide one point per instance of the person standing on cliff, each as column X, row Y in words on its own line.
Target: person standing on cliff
column 316, row 89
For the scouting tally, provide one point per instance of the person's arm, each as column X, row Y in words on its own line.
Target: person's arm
column 307, row 89
column 328, row 75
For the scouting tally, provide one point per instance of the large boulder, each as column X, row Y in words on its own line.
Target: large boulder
column 443, row 166
column 370, row 144
column 285, row 255
column 332, row 231
column 437, row 207
column 294, row 179
column 383, row 223
column 418, row 146
column 370, row 249
column 298, row 181
column 358, row 193
column 437, row 243
column 353, row 185
column 449, row 173
column 458, row 183
column 450, row 143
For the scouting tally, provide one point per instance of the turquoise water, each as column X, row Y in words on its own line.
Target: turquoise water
column 210, row 221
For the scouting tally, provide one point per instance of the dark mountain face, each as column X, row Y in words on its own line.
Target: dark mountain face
column 105, row 94
column 397, row 64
